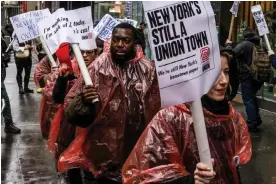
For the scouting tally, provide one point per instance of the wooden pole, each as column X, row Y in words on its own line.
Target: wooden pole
column 201, row 133
column 251, row 19
column 246, row 9
column 231, row 27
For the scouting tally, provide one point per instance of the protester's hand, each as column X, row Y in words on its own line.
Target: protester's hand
column 228, row 42
column 89, row 94
column 203, row 174
column 270, row 52
column 27, row 47
column 64, row 70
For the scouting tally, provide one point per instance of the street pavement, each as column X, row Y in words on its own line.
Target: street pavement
column 25, row 159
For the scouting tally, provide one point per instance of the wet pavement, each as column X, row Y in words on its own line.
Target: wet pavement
column 25, row 159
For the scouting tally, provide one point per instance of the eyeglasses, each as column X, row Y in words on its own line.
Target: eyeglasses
column 97, row 51
column 88, row 52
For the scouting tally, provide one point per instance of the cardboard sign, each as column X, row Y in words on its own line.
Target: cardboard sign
column 130, row 21
column 185, row 48
column 235, row 8
column 25, row 25
column 105, row 27
column 259, row 19
column 82, row 24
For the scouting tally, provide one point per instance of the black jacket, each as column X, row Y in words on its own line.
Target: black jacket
column 243, row 54
column 59, row 91
column 3, row 63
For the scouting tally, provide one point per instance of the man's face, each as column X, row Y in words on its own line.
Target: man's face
column 122, row 45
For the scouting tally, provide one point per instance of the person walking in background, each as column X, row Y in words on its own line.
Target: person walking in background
column 23, row 61
column 7, row 115
column 248, row 54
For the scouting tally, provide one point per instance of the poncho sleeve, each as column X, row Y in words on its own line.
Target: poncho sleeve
column 152, row 99
column 243, row 144
column 43, row 68
column 75, row 108
column 156, row 157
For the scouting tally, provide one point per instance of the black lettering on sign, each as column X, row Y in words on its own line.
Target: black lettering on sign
column 169, row 50
column 164, row 34
column 183, row 29
column 173, row 10
column 197, row 40
column 159, row 17
column 161, row 73
column 154, row 33
column 166, row 15
column 188, row 10
column 19, row 24
column 198, row 10
column 152, row 19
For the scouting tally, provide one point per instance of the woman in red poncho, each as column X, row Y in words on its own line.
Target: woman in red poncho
column 62, row 133
column 167, row 150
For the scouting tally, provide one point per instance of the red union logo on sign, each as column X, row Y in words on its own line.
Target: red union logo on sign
column 90, row 35
column 205, row 53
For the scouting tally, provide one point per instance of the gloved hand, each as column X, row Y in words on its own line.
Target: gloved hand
column 270, row 52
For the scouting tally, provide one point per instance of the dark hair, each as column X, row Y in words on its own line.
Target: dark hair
column 227, row 55
column 249, row 33
column 125, row 25
column 143, row 23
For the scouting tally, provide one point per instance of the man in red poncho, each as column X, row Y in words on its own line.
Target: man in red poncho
column 125, row 82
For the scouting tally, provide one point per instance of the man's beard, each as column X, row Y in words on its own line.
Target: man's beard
column 122, row 60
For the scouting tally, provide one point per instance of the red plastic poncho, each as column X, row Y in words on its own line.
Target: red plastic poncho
column 61, row 133
column 48, row 107
column 43, row 68
column 129, row 99
column 167, row 149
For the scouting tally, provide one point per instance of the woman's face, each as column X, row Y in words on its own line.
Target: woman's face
column 218, row 90
column 89, row 56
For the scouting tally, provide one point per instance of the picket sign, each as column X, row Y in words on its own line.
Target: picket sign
column 234, row 10
column 186, row 53
column 261, row 23
column 25, row 24
column 105, row 27
column 82, row 66
column 26, row 28
column 82, row 25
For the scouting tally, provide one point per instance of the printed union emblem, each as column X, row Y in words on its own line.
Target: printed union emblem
column 205, row 53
